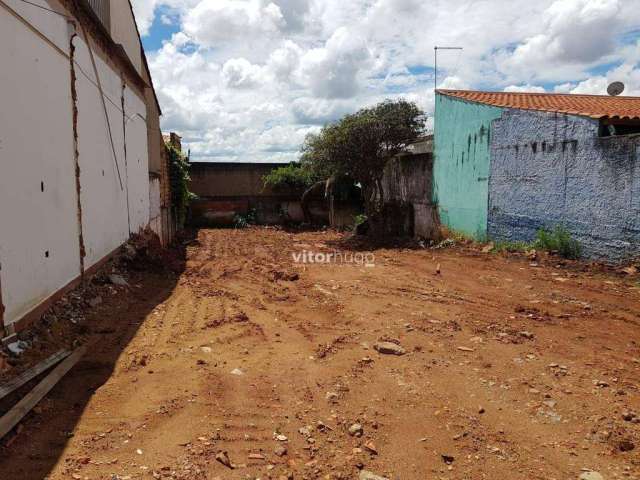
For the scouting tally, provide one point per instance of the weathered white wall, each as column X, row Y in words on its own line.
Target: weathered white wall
column 36, row 145
column 137, row 160
column 124, row 32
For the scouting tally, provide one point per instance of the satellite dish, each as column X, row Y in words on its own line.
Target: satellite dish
column 615, row 89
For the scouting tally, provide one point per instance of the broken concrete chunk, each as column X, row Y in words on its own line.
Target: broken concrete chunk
column 590, row 476
column 389, row 348
column 118, row 280
column 367, row 475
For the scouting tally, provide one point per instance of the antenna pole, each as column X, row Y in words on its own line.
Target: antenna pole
column 435, row 62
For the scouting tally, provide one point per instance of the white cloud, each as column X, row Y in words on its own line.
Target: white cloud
column 240, row 73
column 246, row 79
column 524, row 88
column 215, row 22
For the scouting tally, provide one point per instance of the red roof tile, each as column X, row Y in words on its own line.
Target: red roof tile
column 594, row 106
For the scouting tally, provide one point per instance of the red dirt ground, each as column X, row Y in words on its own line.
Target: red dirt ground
column 512, row 370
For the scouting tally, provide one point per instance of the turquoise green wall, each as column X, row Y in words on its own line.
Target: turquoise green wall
column 461, row 163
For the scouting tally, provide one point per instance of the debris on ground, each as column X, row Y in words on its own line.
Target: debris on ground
column 493, row 370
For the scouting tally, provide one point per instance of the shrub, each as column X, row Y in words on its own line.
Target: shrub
column 294, row 176
column 243, row 221
column 179, row 180
column 558, row 240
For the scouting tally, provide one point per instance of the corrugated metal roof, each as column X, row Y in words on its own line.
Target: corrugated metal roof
column 594, row 106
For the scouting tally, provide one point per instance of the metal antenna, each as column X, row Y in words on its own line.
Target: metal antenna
column 435, row 54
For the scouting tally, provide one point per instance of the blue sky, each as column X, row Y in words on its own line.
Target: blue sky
column 246, row 80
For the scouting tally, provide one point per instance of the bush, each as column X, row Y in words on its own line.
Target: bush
column 558, row 240
column 179, row 180
column 243, row 221
column 293, row 176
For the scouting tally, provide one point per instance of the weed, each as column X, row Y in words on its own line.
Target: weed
column 558, row 240
column 243, row 221
column 512, row 247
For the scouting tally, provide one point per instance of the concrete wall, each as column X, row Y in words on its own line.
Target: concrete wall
column 40, row 231
column 124, row 32
column 461, row 169
column 409, row 178
column 38, row 222
column 552, row 169
column 228, row 189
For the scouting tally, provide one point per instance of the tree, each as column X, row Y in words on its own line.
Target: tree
column 361, row 144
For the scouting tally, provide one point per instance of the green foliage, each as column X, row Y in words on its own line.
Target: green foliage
column 360, row 145
column 294, row 176
column 179, row 180
column 359, row 219
column 243, row 221
column 558, row 240
column 512, row 247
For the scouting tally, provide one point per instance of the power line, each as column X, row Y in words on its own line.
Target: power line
column 47, row 9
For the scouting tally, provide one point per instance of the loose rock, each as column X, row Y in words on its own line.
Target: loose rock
column 389, row 348
column 367, row 475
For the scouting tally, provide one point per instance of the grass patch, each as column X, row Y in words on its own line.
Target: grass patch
column 513, row 247
column 558, row 240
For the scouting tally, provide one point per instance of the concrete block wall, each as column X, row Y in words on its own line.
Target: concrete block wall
column 551, row 169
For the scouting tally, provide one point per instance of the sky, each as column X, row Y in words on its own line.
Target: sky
column 247, row 80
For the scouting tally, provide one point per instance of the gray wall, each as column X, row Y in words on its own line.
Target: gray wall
column 409, row 178
column 549, row 169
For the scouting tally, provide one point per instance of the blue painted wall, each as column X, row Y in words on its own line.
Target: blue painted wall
column 462, row 133
column 549, row 169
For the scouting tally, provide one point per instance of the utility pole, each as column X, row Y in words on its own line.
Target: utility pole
column 435, row 54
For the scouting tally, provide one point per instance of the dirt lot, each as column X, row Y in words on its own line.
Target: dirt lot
column 512, row 369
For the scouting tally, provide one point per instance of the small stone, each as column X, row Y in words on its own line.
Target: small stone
column 526, row 334
column 448, row 459
column 367, row 475
column 465, row 349
column 371, row 448
column 281, row 438
column 331, row 397
column 224, row 459
column 356, row 430
column 626, row 445
column 256, row 456
column 389, row 348
column 481, row 410
column 237, row 371
column 280, row 450
column 590, row 476
column 628, row 416
column 118, row 280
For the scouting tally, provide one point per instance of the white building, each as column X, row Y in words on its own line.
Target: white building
column 80, row 147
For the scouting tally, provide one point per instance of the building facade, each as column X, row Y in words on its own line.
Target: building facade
column 507, row 165
column 79, row 146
